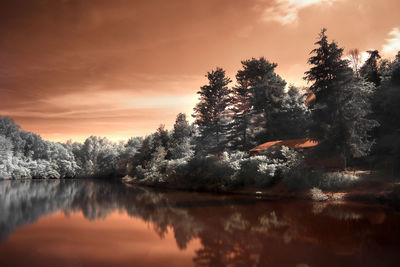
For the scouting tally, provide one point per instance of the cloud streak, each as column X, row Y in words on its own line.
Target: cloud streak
column 286, row 12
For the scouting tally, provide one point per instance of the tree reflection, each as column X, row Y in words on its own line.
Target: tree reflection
column 233, row 231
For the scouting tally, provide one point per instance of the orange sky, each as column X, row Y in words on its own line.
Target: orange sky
column 75, row 68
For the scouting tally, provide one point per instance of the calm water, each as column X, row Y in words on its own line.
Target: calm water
column 96, row 223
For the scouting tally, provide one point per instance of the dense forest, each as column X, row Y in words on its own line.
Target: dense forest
column 350, row 108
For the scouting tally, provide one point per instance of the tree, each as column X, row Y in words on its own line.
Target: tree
column 241, row 119
column 98, row 156
column 256, row 101
column 11, row 130
column 214, row 98
column 355, row 60
column 293, row 118
column 180, row 146
column 161, row 137
column 146, row 149
column 6, row 154
column 355, row 111
column 340, row 98
column 182, row 127
column 369, row 70
column 387, row 111
column 6, row 148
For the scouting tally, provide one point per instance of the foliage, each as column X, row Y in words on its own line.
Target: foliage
column 386, row 101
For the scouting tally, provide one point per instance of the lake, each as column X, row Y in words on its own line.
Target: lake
column 100, row 223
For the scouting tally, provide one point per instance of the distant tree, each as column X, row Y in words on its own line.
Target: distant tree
column 369, row 70
column 161, row 137
column 6, row 154
column 11, row 130
column 98, row 156
column 180, row 146
column 340, row 98
column 134, row 142
column 182, row 128
column 146, row 149
column 157, row 159
column 214, row 98
column 107, row 160
column 355, row 60
column 131, row 148
column 6, row 146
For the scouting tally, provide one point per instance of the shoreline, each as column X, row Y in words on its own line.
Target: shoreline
column 373, row 187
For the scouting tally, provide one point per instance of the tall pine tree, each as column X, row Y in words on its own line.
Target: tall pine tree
column 214, row 98
column 257, row 99
column 240, row 135
column 340, row 113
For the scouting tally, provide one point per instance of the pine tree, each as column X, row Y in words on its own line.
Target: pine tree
column 328, row 74
column 182, row 128
column 293, row 118
column 340, row 113
column 256, row 102
column 241, row 119
column 180, row 146
column 369, row 71
column 214, row 98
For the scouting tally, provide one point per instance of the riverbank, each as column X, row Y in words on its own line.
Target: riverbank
column 370, row 186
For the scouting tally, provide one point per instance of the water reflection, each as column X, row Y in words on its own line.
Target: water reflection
column 232, row 230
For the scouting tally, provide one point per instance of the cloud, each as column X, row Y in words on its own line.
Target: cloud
column 286, row 11
column 392, row 45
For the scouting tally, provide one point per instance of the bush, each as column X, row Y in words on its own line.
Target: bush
column 303, row 178
column 257, row 171
column 206, row 173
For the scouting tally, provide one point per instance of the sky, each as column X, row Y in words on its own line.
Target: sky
column 74, row 68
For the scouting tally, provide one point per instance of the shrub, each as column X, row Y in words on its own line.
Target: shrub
column 258, row 171
column 303, row 178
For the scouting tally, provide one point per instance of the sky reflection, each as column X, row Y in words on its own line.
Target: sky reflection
column 96, row 223
column 72, row 240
